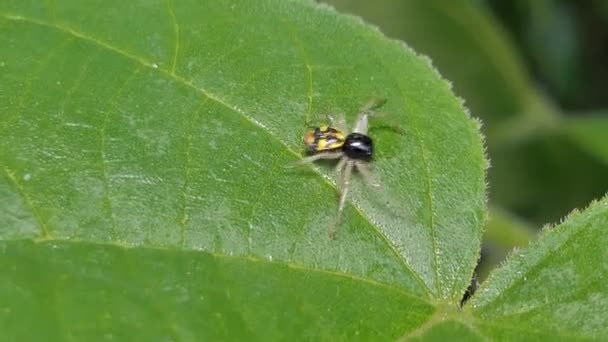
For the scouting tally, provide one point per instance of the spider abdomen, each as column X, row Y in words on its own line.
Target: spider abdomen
column 324, row 139
column 358, row 146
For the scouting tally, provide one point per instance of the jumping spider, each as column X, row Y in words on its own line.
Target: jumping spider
column 354, row 151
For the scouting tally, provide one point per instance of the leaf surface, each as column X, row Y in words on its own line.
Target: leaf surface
column 555, row 287
column 111, row 292
column 153, row 133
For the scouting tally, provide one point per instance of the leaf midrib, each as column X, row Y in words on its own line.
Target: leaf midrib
column 70, row 31
column 428, row 188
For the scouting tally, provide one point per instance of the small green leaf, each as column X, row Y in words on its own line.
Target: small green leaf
column 556, row 287
column 143, row 158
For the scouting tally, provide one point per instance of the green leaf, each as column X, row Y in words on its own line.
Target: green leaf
column 80, row 290
column 554, row 288
column 144, row 186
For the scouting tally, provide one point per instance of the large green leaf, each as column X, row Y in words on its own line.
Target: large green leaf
column 81, row 290
column 556, row 287
column 144, row 187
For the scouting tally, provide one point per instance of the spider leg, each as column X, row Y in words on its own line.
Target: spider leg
column 340, row 172
column 365, row 112
column 368, row 176
column 339, row 122
column 346, row 175
column 318, row 156
column 373, row 104
column 362, row 123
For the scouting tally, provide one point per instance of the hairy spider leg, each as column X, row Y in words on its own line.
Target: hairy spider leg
column 373, row 104
column 368, row 176
column 314, row 157
column 367, row 111
column 339, row 122
column 346, row 176
column 362, row 123
column 340, row 172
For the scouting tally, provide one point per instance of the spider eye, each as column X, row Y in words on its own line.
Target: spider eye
column 358, row 146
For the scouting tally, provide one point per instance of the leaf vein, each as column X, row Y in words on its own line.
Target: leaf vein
column 170, row 8
column 431, row 206
column 107, row 201
column 42, row 63
column 304, row 55
column 429, row 191
column 81, row 75
column 44, row 229
column 183, row 215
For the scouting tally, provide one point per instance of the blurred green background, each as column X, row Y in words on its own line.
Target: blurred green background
column 536, row 74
